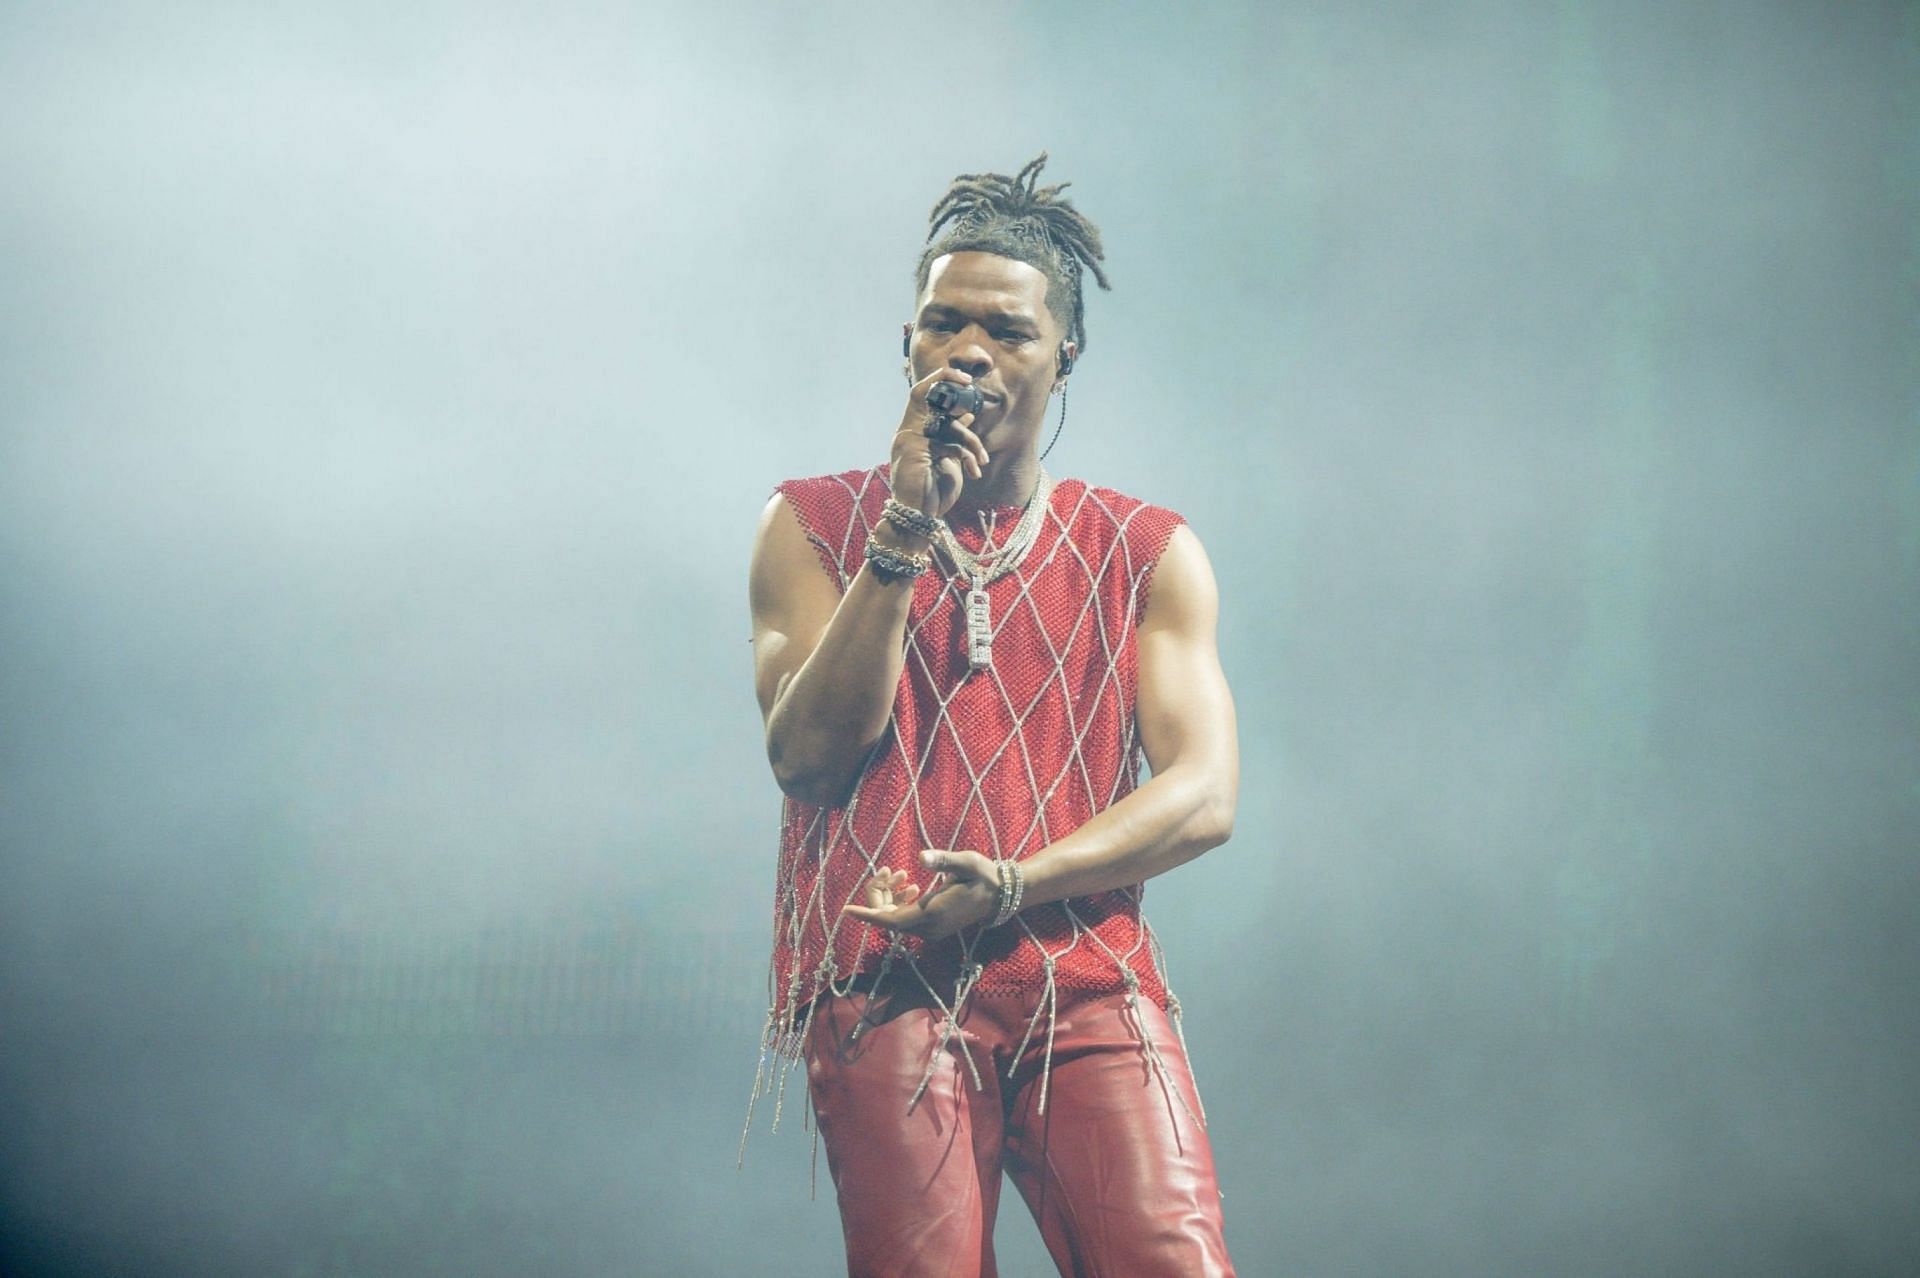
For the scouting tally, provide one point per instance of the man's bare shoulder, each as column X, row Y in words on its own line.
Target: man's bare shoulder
column 787, row 559
column 805, row 533
column 1185, row 594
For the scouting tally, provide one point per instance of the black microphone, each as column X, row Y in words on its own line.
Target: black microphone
column 951, row 399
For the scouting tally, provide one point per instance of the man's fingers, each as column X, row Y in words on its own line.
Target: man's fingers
column 896, row 902
column 911, row 923
column 959, row 433
column 883, row 888
column 962, row 458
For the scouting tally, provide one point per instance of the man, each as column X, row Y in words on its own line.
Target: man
column 961, row 665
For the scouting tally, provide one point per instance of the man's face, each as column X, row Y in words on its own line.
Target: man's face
column 987, row 315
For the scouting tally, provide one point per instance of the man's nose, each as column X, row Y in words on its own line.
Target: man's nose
column 970, row 354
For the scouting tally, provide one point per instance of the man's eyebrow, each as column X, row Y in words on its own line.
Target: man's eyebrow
column 992, row 314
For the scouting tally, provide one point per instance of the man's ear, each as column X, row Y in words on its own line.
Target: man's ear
column 1064, row 363
column 906, row 338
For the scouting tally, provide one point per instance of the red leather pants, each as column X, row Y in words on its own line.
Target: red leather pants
column 1117, row 1173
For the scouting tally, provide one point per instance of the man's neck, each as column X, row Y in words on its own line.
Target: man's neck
column 1008, row 481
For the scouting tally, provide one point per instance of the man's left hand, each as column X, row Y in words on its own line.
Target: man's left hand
column 965, row 890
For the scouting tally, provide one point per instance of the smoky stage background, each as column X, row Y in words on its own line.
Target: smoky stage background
column 388, row 397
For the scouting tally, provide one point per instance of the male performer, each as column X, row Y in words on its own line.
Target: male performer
column 961, row 665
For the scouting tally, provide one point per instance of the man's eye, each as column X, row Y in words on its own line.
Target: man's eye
column 1015, row 339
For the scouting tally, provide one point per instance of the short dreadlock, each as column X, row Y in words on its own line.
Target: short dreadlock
column 994, row 213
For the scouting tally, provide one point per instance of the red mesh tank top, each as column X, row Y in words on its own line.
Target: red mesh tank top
column 1002, row 761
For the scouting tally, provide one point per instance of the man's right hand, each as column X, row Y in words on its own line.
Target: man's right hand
column 928, row 472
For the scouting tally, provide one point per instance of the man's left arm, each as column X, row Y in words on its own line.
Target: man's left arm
column 1187, row 729
column 1186, row 722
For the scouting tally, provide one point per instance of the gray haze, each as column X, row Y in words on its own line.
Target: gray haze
column 387, row 397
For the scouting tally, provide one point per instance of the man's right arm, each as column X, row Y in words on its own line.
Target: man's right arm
column 826, row 665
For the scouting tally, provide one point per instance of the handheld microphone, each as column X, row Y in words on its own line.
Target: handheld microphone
column 952, row 399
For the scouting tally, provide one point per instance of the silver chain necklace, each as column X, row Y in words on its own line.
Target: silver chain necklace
column 991, row 566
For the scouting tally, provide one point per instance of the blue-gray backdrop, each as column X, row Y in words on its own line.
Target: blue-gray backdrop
column 388, row 394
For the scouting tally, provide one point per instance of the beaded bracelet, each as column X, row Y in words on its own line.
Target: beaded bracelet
column 1012, row 887
column 895, row 565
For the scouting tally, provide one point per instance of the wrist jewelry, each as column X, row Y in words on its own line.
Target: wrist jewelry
column 908, row 520
column 1012, row 886
column 895, row 565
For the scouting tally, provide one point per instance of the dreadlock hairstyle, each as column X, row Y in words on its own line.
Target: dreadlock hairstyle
column 1010, row 216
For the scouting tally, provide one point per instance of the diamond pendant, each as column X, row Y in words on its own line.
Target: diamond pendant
column 979, row 628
